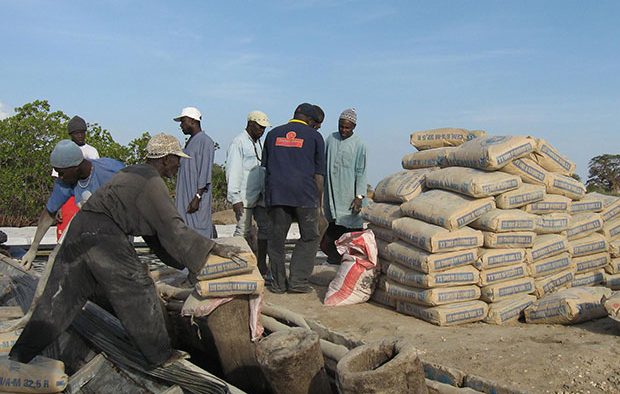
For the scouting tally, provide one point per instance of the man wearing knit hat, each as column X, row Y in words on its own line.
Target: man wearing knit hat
column 345, row 183
column 98, row 255
column 77, row 177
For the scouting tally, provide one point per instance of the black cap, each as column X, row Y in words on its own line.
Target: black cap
column 76, row 124
column 308, row 110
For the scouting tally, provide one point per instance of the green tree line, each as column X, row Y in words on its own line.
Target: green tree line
column 26, row 142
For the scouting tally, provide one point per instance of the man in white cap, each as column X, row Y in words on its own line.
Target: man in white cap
column 97, row 254
column 345, row 183
column 246, row 184
column 77, row 177
column 193, row 192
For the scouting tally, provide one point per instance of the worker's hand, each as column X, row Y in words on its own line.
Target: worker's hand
column 193, row 205
column 28, row 258
column 238, row 208
column 225, row 250
column 356, row 205
column 59, row 216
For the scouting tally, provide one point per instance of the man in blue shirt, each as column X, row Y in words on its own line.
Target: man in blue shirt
column 294, row 158
column 77, row 177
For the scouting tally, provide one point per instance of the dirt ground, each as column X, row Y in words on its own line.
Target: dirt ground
column 536, row 358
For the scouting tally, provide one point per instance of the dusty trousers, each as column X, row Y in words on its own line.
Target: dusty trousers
column 97, row 254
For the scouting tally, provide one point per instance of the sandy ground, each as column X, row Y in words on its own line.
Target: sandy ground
column 583, row 358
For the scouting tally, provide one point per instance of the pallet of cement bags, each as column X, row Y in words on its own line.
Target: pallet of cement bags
column 568, row 306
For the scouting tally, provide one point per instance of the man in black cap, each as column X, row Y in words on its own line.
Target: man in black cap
column 294, row 158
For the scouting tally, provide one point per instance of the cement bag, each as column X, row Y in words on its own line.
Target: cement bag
column 494, row 258
column 550, row 159
column 508, row 310
column 41, row 375
column 425, row 159
column 446, row 209
column 381, row 232
column 7, row 340
column 568, row 306
column 554, row 282
column 447, row 136
column 435, row 239
column 384, row 265
column 400, row 187
column 593, row 243
column 583, row 224
column 515, row 239
column 423, row 261
column 218, row 267
column 591, row 202
column 466, row 275
column 526, row 194
column 612, row 305
column 614, row 248
column 527, row 170
column 546, row 246
column 381, row 213
column 382, row 249
column 446, row 315
column 550, row 265
column 505, row 220
column 549, row 204
column 552, row 223
column 591, row 278
column 591, row 262
column 472, row 182
column 502, row 274
column 434, row 296
column 611, row 209
column 355, row 279
column 565, row 186
column 500, row 291
column 251, row 283
column 382, row 297
column 611, row 229
column 490, row 153
column 612, row 281
column 613, row 267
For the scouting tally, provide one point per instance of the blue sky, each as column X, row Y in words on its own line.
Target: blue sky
column 544, row 68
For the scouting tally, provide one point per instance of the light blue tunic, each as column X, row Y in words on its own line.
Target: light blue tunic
column 194, row 174
column 345, row 178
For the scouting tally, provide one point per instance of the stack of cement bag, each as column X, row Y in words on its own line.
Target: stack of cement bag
column 226, row 277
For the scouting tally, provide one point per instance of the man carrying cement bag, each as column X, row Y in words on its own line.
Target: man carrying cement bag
column 97, row 252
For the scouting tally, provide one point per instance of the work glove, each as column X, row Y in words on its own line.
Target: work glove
column 28, row 258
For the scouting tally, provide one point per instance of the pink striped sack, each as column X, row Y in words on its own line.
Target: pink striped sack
column 355, row 280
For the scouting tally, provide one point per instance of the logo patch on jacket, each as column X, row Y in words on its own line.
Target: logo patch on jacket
column 290, row 141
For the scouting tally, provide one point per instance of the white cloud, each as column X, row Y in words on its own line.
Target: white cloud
column 5, row 112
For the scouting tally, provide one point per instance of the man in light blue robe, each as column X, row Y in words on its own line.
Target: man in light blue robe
column 193, row 190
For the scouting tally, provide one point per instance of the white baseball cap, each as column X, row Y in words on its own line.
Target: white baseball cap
column 190, row 112
column 260, row 118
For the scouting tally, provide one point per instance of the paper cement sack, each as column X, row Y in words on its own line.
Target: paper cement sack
column 505, row 220
column 502, row 274
column 613, row 282
column 354, row 282
column 591, row 262
column 611, row 229
column 382, row 297
column 612, row 305
column 218, row 267
column 447, row 136
column 550, row 265
column 546, row 246
column 251, row 283
column 593, row 243
column 381, row 232
column 508, row 310
column 435, row 239
column 491, row 153
column 591, row 278
column 40, row 375
column 552, row 223
column 423, row 261
column 472, row 182
column 426, row 158
column 583, row 224
column 400, row 187
column 554, row 282
column 501, row 291
column 613, row 267
column 381, row 213
column 446, row 209
column 434, row 296
column 384, row 265
column 494, row 258
column 459, row 276
column 7, row 340
column 528, row 170
column 382, row 249
column 568, row 306
column 611, row 209
column 591, row 202
column 565, row 186
column 549, row 204
column 550, row 159
column 614, row 248
column 526, row 194
column 514, row 239
column 446, row 315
